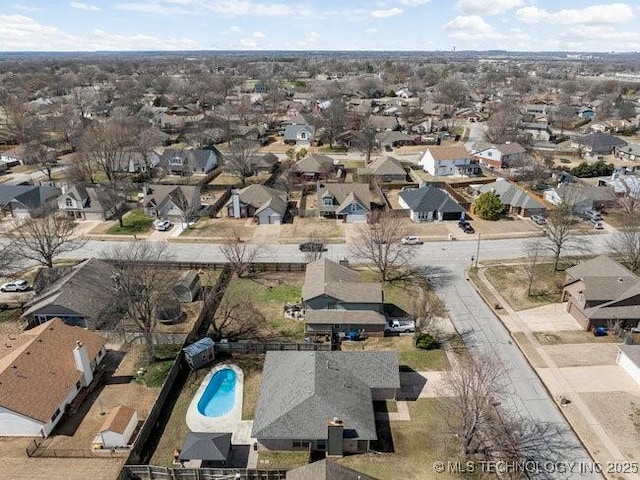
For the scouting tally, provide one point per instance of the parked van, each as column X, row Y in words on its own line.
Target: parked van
column 592, row 215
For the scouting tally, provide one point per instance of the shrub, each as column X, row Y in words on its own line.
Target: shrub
column 488, row 206
column 590, row 170
column 425, row 341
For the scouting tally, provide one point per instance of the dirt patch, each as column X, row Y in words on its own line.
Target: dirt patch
column 573, row 336
column 222, row 228
column 305, row 229
column 582, row 355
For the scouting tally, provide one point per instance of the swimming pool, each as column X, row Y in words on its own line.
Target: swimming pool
column 217, row 404
column 219, row 396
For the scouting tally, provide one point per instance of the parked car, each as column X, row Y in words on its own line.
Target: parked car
column 163, row 225
column 411, row 241
column 465, row 226
column 539, row 219
column 400, row 326
column 15, row 286
column 592, row 215
column 597, row 224
column 312, row 247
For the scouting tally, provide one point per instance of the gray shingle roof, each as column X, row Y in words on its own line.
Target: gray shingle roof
column 325, row 470
column 345, row 193
column 386, row 166
column 196, row 159
column 261, row 197
column 429, row 199
column 158, row 194
column 206, row 446
column 31, row 196
column 314, row 163
column 324, row 277
column 301, row 391
column 599, row 140
column 511, row 195
column 291, row 132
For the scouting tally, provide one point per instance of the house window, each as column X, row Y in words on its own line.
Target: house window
column 303, row 136
column 327, row 201
column 68, row 202
column 55, row 415
column 301, row 443
column 354, row 207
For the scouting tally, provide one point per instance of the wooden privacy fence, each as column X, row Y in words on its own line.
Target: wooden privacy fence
column 259, row 347
column 150, row 472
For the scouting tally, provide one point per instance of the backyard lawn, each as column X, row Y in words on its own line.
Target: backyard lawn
column 268, row 293
column 156, row 372
column 133, row 222
column 287, row 460
column 414, row 447
column 252, row 368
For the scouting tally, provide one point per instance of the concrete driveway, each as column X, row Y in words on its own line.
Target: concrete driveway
column 548, row 318
column 602, row 378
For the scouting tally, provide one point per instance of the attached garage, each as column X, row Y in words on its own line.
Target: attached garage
column 359, row 218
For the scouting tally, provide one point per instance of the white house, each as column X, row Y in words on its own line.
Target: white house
column 439, row 160
column 117, row 429
column 299, row 135
column 41, row 372
column 629, row 359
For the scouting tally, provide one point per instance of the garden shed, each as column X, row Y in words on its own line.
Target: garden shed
column 200, row 353
column 117, row 428
column 186, row 289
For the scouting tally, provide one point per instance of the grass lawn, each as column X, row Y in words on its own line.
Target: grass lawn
column 287, row 460
column 511, row 281
column 354, row 164
column 397, row 295
column 221, row 228
column 269, row 293
column 10, row 315
column 133, row 222
column 414, row 358
column 304, row 229
column 156, row 372
column 416, row 445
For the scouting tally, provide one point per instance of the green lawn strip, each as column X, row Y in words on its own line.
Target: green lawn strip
column 417, row 444
column 286, row 460
column 156, row 372
column 135, row 221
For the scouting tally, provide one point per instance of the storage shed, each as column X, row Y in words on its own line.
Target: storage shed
column 186, row 289
column 117, row 428
column 200, row 353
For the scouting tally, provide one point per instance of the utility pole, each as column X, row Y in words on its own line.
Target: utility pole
column 477, row 250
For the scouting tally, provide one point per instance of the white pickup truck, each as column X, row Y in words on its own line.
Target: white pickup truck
column 400, row 326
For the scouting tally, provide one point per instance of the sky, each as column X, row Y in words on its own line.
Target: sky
column 525, row 25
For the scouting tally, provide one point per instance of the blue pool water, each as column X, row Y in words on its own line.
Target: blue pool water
column 220, row 395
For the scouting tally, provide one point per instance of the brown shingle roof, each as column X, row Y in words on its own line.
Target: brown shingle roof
column 324, row 277
column 448, row 153
column 118, row 419
column 37, row 375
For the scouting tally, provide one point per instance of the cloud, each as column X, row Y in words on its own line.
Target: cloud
column 470, row 27
column 593, row 15
column 371, row 30
column 248, row 43
column 487, row 7
column 386, row 13
column 259, row 35
column 413, row 3
column 26, row 8
column 601, row 38
column 235, row 29
column 84, row 6
column 21, row 33
column 226, row 8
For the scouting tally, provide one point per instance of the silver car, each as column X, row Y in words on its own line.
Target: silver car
column 15, row 286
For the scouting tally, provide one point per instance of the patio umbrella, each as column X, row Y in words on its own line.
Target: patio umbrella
column 206, row 446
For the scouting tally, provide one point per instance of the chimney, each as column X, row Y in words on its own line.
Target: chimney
column 81, row 357
column 235, row 197
column 64, row 188
column 335, row 434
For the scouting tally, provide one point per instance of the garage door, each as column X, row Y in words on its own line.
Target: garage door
column 275, row 219
column 356, row 218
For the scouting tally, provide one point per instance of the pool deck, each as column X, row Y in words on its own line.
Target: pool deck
column 231, row 422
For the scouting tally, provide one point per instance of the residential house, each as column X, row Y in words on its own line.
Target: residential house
column 187, row 162
column 265, row 204
column 629, row 359
column 322, row 400
column 499, row 155
column 429, row 203
column 336, row 300
column 171, row 202
column 629, row 152
column 622, row 185
column 136, row 162
column 314, row 167
column 455, row 160
column 27, row 201
column 537, row 110
column 15, row 156
column 42, row 370
column 581, row 197
column 117, row 428
column 597, row 143
column 601, row 292
column 515, row 199
column 387, row 169
column 266, row 163
column 387, row 140
column 88, row 202
column 383, row 123
column 83, row 295
column 325, row 470
column 350, row 202
column 299, row 135
column 540, row 131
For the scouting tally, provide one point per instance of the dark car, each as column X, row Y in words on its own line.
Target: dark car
column 465, row 227
column 312, row 247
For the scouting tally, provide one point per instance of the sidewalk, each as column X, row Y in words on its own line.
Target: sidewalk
column 557, row 383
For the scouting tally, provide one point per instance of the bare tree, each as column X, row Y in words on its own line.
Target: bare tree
column 20, row 118
column 453, row 92
column 560, row 231
column 142, row 283
column 427, row 307
column 333, row 120
column 44, row 238
column 43, row 158
column 9, row 259
column 533, row 251
column 366, row 142
column 236, row 316
column 240, row 255
column 625, row 243
column 240, row 159
column 107, row 146
column 114, row 196
column 83, row 99
column 502, row 126
column 380, row 244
